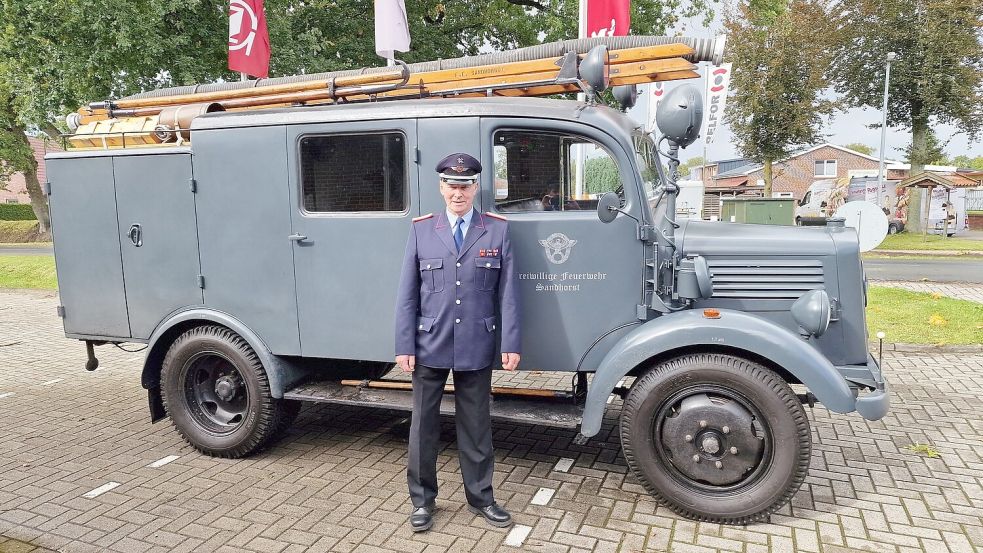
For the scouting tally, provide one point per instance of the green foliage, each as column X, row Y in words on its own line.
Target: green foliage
column 925, row 449
column 964, row 161
column 686, row 168
column 779, row 61
column 601, row 175
column 17, row 212
column 920, row 318
column 860, row 148
column 931, row 151
column 938, row 75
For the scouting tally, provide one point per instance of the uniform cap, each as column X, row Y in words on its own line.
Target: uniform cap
column 459, row 169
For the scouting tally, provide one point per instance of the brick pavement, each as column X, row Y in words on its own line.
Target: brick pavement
column 957, row 290
column 335, row 482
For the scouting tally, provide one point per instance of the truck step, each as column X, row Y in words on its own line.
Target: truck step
column 543, row 411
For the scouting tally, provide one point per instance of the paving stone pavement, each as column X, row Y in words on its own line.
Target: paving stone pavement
column 336, row 481
column 956, row 290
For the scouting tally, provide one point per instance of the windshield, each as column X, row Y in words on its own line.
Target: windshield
column 645, row 156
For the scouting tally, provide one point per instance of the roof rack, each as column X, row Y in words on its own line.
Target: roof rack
column 164, row 116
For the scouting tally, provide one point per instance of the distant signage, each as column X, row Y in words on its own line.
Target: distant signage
column 718, row 81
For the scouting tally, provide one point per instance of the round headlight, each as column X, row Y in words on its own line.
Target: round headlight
column 812, row 312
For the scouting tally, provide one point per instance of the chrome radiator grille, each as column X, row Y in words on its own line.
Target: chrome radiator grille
column 784, row 279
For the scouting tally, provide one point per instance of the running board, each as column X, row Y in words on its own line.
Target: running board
column 558, row 413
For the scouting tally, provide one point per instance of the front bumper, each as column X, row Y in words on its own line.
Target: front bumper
column 874, row 404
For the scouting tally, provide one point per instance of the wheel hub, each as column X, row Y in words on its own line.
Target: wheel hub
column 226, row 388
column 712, row 439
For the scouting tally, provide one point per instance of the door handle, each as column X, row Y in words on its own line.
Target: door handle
column 136, row 235
column 297, row 237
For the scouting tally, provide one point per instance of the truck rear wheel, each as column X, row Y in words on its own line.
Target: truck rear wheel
column 218, row 396
column 716, row 437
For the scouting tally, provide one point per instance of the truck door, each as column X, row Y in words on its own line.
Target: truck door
column 351, row 186
column 158, row 236
column 580, row 279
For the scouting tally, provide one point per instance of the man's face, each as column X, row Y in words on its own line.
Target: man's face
column 458, row 197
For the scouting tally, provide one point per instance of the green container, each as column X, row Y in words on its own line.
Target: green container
column 761, row 211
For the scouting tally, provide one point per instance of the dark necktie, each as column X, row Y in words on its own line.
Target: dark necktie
column 458, row 233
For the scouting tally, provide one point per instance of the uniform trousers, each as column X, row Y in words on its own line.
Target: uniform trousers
column 472, row 390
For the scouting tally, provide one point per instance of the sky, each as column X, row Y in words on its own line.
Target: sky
column 844, row 128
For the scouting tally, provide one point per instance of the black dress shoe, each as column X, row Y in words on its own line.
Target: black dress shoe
column 422, row 518
column 495, row 515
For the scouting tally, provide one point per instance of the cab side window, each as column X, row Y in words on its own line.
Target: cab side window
column 353, row 172
column 538, row 171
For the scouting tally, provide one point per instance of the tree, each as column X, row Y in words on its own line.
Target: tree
column 937, row 77
column 780, row 57
column 56, row 55
column 966, row 162
column 861, row 148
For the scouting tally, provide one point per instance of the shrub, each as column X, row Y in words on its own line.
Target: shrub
column 17, row 212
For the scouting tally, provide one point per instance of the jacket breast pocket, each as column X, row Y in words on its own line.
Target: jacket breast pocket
column 486, row 271
column 432, row 275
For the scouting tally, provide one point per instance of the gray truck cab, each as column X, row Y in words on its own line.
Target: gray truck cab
column 260, row 262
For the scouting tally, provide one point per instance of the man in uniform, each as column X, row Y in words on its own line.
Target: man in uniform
column 457, row 272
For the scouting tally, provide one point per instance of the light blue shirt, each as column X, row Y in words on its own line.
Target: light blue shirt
column 465, row 225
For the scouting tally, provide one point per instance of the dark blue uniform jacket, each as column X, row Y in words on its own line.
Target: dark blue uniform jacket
column 449, row 304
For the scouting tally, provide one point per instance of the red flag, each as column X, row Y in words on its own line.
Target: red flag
column 608, row 17
column 249, row 42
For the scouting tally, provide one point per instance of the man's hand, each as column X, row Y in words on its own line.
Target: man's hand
column 406, row 362
column 510, row 361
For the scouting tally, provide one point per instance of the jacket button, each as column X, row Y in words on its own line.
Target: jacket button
column 459, row 283
column 458, row 321
column 421, row 327
column 493, row 327
column 428, row 266
column 458, row 302
column 458, row 264
column 487, row 264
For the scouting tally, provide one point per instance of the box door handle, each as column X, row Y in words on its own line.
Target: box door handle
column 136, row 235
column 297, row 237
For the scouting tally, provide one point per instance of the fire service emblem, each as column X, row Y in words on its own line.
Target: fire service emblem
column 558, row 247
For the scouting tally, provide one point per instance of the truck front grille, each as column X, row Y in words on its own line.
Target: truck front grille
column 784, row 279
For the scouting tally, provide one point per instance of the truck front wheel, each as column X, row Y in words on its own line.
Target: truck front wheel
column 716, row 437
column 217, row 394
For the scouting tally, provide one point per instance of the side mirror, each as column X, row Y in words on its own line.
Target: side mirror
column 680, row 115
column 607, row 207
column 594, row 68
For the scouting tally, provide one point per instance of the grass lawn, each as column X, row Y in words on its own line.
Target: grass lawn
column 28, row 271
column 920, row 318
column 910, row 241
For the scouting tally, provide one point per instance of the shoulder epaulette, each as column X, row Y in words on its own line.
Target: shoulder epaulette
column 496, row 215
column 422, row 217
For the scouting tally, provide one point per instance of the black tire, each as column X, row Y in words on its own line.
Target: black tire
column 730, row 402
column 218, row 396
column 798, row 221
column 892, row 229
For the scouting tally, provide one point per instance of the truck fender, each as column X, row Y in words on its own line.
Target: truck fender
column 735, row 330
column 280, row 374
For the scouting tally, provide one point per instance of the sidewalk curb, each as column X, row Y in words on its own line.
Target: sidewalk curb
column 930, row 253
column 926, row 348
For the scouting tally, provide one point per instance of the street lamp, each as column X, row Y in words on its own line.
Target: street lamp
column 891, row 56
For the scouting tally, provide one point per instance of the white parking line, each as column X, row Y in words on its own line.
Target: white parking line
column 563, row 465
column 6, row 394
column 543, row 496
column 164, row 461
column 50, row 382
column 101, row 490
column 517, row 535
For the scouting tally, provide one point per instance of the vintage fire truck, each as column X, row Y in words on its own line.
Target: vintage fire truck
column 251, row 235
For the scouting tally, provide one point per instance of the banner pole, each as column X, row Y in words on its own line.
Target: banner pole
column 581, row 97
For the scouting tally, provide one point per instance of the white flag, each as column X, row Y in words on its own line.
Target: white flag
column 656, row 91
column 718, row 80
column 392, row 33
